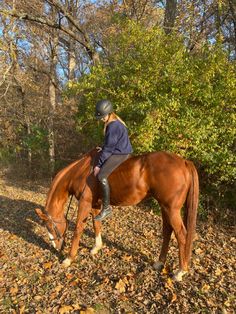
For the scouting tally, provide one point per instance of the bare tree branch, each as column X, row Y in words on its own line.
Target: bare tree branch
column 44, row 21
column 5, row 75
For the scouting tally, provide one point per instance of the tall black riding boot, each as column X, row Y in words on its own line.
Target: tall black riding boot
column 106, row 208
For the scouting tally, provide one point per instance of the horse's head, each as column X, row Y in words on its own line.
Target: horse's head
column 56, row 228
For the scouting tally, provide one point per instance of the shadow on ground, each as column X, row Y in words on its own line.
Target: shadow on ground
column 19, row 218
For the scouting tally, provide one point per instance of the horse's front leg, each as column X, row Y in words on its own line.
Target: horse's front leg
column 97, row 229
column 83, row 212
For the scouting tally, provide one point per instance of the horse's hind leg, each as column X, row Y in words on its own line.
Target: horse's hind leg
column 177, row 224
column 97, row 229
column 166, row 233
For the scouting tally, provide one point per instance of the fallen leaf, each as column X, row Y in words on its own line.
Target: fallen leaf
column 53, row 296
column 65, row 309
column 37, row 298
column 121, row 286
column 69, row 276
column 22, row 309
column 164, row 271
column 58, row 288
column 198, row 251
column 106, row 280
column 47, row 265
column 126, row 258
column 74, row 282
column 205, row 288
column 14, row 290
column 227, row 303
column 169, row 282
column 233, row 239
column 218, row 272
column 174, row 298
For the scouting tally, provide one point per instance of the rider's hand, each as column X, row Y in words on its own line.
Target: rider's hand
column 96, row 171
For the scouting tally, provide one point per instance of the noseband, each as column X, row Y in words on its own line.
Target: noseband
column 54, row 222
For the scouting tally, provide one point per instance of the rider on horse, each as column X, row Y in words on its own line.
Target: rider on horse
column 116, row 149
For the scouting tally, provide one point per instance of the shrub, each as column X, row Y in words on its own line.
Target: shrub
column 171, row 99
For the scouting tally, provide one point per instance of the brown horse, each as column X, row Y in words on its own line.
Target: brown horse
column 170, row 179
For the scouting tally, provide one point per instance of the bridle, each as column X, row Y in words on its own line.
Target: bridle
column 55, row 229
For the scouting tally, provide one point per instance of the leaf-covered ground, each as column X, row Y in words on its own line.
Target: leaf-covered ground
column 121, row 278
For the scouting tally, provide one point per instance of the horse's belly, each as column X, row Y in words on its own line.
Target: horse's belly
column 128, row 196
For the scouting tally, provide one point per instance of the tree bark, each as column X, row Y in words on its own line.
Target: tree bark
column 52, row 100
column 232, row 7
column 71, row 48
column 170, row 15
column 51, row 137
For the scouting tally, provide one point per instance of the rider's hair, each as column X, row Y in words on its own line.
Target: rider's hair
column 112, row 117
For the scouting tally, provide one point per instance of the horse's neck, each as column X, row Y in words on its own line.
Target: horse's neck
column 68, row 181
column 78, row 180
column 55, row 202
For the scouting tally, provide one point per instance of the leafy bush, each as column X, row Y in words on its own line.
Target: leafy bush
column 171, row 99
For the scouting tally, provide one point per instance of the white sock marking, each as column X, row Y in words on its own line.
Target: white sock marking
column 98, row 244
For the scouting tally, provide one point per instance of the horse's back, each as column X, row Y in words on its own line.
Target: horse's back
column 155, row 173
column 164, row 160
column 159, row 161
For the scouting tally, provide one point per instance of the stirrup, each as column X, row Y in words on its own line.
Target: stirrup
column 106, row 212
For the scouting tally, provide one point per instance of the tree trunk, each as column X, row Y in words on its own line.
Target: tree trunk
column 52, row 101
column 29, row 150
column 51, row 137
column 71, row 61
column 232, row 7
column 218, row 15
column 170, row 15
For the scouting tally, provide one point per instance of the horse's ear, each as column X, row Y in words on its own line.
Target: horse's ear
column 40, row 213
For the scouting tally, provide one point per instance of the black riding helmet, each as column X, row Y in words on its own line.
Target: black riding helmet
column 103, row 108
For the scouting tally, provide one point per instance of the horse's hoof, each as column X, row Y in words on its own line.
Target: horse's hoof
column 179, row 274
column 67, row 262
column 158, row 266
column 95, row 250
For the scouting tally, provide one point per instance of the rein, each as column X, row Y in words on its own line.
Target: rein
column 68, row 208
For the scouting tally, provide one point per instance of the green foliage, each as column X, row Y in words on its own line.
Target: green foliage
column 171, row 99
column 36, row 140
column 6, row 155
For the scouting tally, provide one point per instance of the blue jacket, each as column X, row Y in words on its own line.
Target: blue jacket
column 116, row 142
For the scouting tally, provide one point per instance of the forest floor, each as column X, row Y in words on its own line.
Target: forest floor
column 121, row 278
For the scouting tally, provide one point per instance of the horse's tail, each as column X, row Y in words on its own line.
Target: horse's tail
column 191, row 209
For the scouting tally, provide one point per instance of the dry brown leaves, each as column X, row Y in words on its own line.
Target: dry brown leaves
column 121, row 278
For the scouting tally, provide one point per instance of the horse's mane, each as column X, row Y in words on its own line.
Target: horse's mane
column 61, row 174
